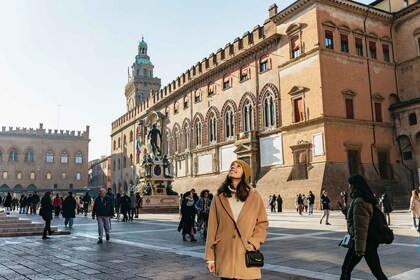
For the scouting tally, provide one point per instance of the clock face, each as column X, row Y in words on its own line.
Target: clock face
column 157, row 170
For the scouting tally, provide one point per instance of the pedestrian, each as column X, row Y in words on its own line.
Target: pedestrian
column 188, row 217
column 29, row 204
column 300, row 204
column 46, row 212
column 86, row 202
column 203, row 207
column 139, row 204
column 132, row 205
column 415, row 208
column 345, row 197
column 57, row 205
column 273, row 200
column 125, row 206
column 279, row 204
column 237, row 222
column 311, row 202
column 69, row 209
column 325, row 203
column 305, row 202
column 8, row 203
column 22, row 204
column 15, row 202
column 103, row 210
column 386, row 206
column 358, row 218
column 34, row 203
column 118, row 205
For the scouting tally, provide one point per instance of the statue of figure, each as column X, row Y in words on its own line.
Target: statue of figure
column 170, row 191
column 153, row 134
column 166, row 167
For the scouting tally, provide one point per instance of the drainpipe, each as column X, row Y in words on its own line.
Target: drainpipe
column 257, row 113
column 370, row 93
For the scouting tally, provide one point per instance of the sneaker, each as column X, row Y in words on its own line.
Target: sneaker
column 45, row 237
column 184, row 238
column 107, row 237
column 99, row 241
column 193, row 239
column 328, row 224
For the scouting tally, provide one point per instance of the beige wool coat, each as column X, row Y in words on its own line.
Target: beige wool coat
column 224, row 246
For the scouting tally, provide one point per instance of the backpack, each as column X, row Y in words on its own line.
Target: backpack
column 378, row 228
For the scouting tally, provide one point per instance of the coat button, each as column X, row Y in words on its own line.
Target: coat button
column 234, row 236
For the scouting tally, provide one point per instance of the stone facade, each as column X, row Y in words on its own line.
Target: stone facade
column 302, row 98
column 99, row 171
column 43, row 160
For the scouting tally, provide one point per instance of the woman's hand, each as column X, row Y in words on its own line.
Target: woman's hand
column 211, row 267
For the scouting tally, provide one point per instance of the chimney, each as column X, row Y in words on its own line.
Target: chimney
column 272, row 11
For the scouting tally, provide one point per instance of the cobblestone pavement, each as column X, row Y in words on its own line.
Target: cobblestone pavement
column 297, row 247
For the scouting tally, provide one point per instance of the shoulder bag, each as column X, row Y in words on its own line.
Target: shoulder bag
column 252, row 258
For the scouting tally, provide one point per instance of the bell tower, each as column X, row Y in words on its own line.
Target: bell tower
column 141, row 80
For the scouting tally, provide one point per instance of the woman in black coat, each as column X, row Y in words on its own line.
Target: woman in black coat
column 125, row 206
column 8, row 203
column 188, row 216
column 46, row 212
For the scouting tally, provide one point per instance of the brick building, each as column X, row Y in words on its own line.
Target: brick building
column 43, row 160
column 99, row 172
column 303, row 98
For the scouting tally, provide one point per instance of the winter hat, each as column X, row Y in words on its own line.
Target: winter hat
column 245, row 167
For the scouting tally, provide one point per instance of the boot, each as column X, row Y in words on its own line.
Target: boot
column 193, row 239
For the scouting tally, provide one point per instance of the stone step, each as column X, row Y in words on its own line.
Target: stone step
column 22, row 225
column 31, row 233
column 25, row 229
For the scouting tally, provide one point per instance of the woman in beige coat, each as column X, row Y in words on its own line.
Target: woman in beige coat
column 235, row 199
column 415, row 208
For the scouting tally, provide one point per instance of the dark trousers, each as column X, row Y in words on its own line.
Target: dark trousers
column 131, row 213
column 47, row 228
column 372, row 260
column 57, row 210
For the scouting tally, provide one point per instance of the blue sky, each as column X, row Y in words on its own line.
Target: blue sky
column 64, row 63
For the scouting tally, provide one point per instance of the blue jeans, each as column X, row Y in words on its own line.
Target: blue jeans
column 68, row 221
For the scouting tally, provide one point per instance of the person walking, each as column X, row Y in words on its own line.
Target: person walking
column 305, row 202
column 300, row 204
column 103, row 210
column 125, row 206
column 358, row 218
column 46, row 212
column 69, row 209
column 118, row 205
column 273, row 200
column 58, row 202
column 237, row 222
column 29, row 204
column 188, row 217
column 8, row 203
column 415, row 208
column 86, row 202
column 139, row 204
column 386, row 206
column 325, row 203
column 34, row 203
column 311, row 202
column 279, row 204
column 15, row 202
column 132, row 205
column 22, row 204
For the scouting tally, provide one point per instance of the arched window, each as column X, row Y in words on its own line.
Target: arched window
column 212, row 128
column 119, row 164
column 125, row 140
column 166, row 145
column 186, row 136
column 115, row 145
column 29, row 156
column 412, row 118
column 176, row 140
column 13, row 155
column 137, row 72
column 197, row 133
column 229, row 123
column 1, row 154
column 64, row 157
column 124, row 162
column 119, row 142
column 145, row 72
column 49, row 157
column 269, row 114
column 78, row 176
column 247, row 115
column 79, row 158
column 114, row 166
column 131, row 136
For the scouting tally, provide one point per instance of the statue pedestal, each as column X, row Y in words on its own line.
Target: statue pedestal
column 160, row 204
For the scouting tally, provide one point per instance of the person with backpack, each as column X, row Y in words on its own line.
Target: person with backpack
column 359, row 216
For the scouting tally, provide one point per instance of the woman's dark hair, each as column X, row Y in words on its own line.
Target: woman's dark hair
column 242, row 189
column 362, row 187
column 203, row 192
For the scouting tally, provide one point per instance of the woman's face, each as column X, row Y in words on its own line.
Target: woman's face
column 236, row 171
column 191, row 194
column 351, row 188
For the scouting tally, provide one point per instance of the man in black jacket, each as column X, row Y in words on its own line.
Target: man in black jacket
column 103, row 209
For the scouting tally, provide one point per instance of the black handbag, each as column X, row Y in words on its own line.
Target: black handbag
column 252, row 258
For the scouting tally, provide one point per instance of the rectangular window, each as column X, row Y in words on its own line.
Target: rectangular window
column 344, row 38
column 78, row 176
column 349, row 108
column 63, row 175
column 264, row 66
column 385, row 50
column 32, row 175
column 226, row 84
column 384, row 166
column 372, row 49
column 5, row 175
column 19, row 175
column 244, row 74
column 359, row 46
column 354, row 161
column 55, row 186
column 298, row 109
column 294, row 46
column 48, row 176
column 329, row 39
column 71, row 186
column 378, row 112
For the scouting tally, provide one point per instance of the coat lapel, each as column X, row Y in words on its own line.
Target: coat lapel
column 226, row 204
column 245, row 207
